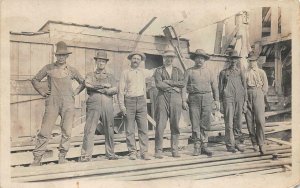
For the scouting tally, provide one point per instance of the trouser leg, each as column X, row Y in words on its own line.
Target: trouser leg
column 250, row 118
column 175, row 113
column 131, row 107
column 48, row 122
column 205, row 124
column 67, row 118
column 229, row 108
column 259, row 112
column 237, row 122
column 161, row 117
column 108, row 123
column 194, row 112
column 142, row 124
column 92, row 118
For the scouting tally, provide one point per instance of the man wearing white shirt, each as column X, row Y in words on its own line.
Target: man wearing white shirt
column 132, row 101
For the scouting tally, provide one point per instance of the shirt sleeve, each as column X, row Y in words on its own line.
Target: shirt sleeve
column 148, row 73
column 221, row 84
column 214, row 86
column 180, row 80
column 113, row 90
column 77, row 76
column 36, row 80
column 121, row 90
column 159, row 82
column 185, row 81
column 265, row 81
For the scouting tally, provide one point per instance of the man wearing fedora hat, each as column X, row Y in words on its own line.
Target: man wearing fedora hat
column 233, row 94
column 101, row 86
column 257, row 88
column 132, row 102
column 59, row 101
column 169, row 81
column 199, row 84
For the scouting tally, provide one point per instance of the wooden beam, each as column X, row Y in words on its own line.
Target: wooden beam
column 218, row 40
column 280, row 141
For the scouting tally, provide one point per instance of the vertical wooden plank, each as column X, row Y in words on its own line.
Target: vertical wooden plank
column 40, row 56
column 23, row 120
column 14, row 56
column 13, row 116
column 286, row 15
column 218, row 40
column 274, row 22
column 255, row 25
column 89, row 60
column 24, row 59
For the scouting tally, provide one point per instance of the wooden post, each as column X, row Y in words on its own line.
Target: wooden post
column 218, row 40
column 278, row 69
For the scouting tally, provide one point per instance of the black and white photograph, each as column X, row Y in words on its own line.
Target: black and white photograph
column 150, row 93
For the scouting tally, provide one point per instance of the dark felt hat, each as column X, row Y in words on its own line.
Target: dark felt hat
column 101, row 55
column 61, row 48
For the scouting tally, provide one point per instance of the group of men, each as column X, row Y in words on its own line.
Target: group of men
column 197, row 90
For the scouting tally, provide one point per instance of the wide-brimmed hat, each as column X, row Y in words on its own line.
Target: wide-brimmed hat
column 136, row 53
column 252, row 57
column 61, row 48
column 234, row 54
column 169, row 53
column 101, row 55
column 199, row 52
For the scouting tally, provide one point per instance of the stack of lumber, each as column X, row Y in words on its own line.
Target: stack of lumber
column 187, row 167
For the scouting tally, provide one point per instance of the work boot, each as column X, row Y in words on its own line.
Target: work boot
column 262, row 149
column 62, row 158
column 196, row 152
column 206, row 151
column 231, row 149
column 132, row 156
column 158, row 155
column 36, row 161
column 145, row 156
column 239, row 147
column 113, row 157
column 175, row 154
column 85, row 159
column 255, row 148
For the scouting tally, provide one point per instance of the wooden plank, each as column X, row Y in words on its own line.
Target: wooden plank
column 98, row 168
column 150, row 172
column 180, row 161
column 14, row 116
column 23, row 118
column 218, row 40
column 40, row 56
column 14, row 58
column 279, row 141
column 24, row 59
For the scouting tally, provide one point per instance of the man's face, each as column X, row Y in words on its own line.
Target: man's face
column 135, row 61
column 100, row 63
column 252, row 64
column 168, row 61
column 199, row 60
column 61, row 58
column 234, row 61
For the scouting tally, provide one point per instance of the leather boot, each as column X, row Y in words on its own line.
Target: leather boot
column 36, row 161
column 62, row 158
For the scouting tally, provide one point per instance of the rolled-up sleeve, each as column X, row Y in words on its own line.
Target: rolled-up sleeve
column 159, row 82
column 214, row 86
column 36, row 80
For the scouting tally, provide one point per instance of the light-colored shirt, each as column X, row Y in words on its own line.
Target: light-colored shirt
column 256, row 77
column 132, row 84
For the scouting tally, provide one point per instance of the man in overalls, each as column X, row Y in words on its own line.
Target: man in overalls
column 101, row 86
column 59, row 101
column 200, row 83
column 132, row 101
column 257, row 87
column 169, row 81
column 233, row 91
